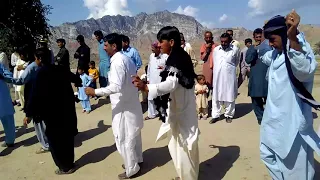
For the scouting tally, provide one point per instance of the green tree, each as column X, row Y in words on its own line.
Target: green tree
column 22, row 22
column 317, row 48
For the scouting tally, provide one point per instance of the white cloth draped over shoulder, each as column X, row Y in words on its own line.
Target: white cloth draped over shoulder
column 127, row 117
column 182, row 121
column 17, row 74
column 153, row 74
column 225, row 87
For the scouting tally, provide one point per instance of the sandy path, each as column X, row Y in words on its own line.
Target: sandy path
column 236, row 159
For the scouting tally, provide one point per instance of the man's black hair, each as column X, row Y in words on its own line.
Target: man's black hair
column 61, row 40
column 80, row 38
column 257, row 31
column 98, row 33
column 125, row 38
column 246, row 41
column 226, row 35
column 168, row 33
column 114, row 38
column 229, row 30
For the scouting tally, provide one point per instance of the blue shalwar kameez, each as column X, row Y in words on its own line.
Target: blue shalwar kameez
column 287, row 135
column 84, row 99
column 6, row 107
column 104, row 65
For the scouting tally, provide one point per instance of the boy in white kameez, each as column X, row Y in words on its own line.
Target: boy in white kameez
column 127, row 118
column 287, row 137
column 175, row 95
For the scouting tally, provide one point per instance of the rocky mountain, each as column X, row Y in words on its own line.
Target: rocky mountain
column 142, row 30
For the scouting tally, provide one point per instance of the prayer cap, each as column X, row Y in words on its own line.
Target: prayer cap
column 155, row 44
column 61, row 40
column 274, row 26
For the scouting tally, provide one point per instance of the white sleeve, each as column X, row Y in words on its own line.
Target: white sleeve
column 165, row 87
column 116, row 80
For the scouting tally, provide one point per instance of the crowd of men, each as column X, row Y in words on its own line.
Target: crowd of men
column 280, row 66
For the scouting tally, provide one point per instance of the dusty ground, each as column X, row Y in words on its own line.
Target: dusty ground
column 236, row 158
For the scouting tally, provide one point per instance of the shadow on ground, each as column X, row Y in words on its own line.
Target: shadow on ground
column 89, row 134
column 27, row 142
column 218, row 166
column 95, row 156
column 155, row 157
column 242, row 109
column 19, row 132
column 100, row 103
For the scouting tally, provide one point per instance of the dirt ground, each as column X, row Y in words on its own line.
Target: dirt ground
column 236, row 156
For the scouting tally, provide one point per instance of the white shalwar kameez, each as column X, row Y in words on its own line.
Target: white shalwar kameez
column 225, row 86
column 127, row 118
column 19, row 89
column 183, row 123
column 153, row 76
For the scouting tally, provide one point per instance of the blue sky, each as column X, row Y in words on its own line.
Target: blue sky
column 211, row 13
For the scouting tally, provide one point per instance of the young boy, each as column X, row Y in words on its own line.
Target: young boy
column 94, row 73
column 84, row 99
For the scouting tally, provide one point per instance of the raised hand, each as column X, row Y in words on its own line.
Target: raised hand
column 292, row 21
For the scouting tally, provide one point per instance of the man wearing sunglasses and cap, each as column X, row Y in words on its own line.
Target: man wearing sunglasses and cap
column 44, row 44
column 287, row 137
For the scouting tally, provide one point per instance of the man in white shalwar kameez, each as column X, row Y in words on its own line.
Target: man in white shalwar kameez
column 127, row 118
column 226, row 58
column 157, row 62
column 176, row 94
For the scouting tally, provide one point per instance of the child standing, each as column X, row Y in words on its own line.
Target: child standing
column 94, row 73
column 84, row 99
column 201, row 91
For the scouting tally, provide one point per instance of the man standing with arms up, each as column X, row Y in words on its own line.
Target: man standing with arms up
column 83, row 54
column 287, row 137
column 127, row 120
column 130, row 51
column 104, row 63
column 206, row 52
column 244, row 67
column 157, row 63
column 258, row 84
column 226, row 59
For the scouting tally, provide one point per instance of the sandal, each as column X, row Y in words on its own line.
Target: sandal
column 148, row 118
column 60, row 172
column 41, row 151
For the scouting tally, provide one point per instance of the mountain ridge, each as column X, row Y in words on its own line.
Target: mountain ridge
column 142, row 29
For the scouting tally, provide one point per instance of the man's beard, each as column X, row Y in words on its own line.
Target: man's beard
column 225, row 46
column 209, row 42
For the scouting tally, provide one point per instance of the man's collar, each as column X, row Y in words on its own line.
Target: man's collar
column 127, row 50
column 113, row 57
column 101, row 41
column 230, row 47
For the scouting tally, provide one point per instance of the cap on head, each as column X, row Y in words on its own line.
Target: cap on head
column 155, row 44
column 276, row 25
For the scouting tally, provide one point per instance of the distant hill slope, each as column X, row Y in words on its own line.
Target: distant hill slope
column 142, row 30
